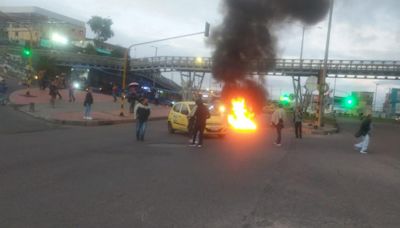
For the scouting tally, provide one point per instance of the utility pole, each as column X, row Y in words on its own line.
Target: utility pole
column 325, row 70
column 375, row 97
column 297, row 82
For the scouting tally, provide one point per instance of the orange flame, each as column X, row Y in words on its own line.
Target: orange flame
column 240, row 118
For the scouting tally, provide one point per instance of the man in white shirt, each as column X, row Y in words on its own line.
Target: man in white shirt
column 277, row 120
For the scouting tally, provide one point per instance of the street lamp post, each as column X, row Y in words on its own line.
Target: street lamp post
column 376, row 97
column 155, row 55
column 298, row 99
column 126, row 59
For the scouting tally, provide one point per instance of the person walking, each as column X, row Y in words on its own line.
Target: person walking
column 277, row 120
column 132, row 102
column 114, row 92
column 71, row 92
column 201, row 115
column 58, row 86
column 88, row 104
column 53, row 94
column 142, row 113
column 298, row 121
column 364, row 133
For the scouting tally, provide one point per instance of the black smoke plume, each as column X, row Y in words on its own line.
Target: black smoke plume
column 246, row 38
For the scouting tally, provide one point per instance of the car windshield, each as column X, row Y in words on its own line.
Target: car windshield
column 214, row 108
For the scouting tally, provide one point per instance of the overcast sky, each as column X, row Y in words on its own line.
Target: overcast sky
column 362, row 29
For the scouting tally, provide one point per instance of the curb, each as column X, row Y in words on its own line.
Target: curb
column 93, row 123
column 85, row 123
column 335, row 129
column 325, row 131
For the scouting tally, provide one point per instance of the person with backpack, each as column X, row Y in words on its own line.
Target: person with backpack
column 201, row 115
column 88, row 104
column 277, row 120
column 142, row 113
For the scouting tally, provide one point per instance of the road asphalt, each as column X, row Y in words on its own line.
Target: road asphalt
column 68, row 176
column 71, row 176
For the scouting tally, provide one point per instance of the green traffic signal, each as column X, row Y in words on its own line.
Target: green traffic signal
column 27, row 51
column 285, row 100
column 349, row 102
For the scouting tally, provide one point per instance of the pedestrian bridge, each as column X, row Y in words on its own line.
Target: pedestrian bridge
column 359, row 69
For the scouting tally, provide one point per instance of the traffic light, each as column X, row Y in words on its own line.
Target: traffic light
column 349, row 102
column 207, row 30
column 285, row 99
column 27, row 51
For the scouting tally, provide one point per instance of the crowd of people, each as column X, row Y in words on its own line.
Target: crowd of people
column 139, row 107
column 278, row 118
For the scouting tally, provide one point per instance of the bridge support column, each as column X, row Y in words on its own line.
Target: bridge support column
column 191, row 84
column 297, row 90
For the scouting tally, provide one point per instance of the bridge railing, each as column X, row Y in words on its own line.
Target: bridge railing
column 282, row 66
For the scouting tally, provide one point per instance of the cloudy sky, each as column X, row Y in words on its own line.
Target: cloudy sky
column 362, row 29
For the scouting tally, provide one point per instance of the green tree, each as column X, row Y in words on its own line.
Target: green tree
column 90, row 50
column 118, row 52
column 101, row 27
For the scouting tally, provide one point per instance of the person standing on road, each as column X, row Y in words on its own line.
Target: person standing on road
column 71, row 91
column 201, row 115
column 58, row 86
column 191, row 122
column 277, row 120
column 142, row 113
column 364, row 133
column 88, row 104
column 114, row 92
column 298, row 121
column 53, row 94
column 132, row 102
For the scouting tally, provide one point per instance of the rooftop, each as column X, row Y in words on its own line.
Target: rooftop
column 32, row 13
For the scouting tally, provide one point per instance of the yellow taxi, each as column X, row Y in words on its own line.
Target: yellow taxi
column 178, row 118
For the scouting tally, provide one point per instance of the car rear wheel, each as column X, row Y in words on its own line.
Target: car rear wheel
column 170, row 129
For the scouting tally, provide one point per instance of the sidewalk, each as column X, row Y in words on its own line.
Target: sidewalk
column 104, row 110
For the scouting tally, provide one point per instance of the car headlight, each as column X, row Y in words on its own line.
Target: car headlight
column 222, row 109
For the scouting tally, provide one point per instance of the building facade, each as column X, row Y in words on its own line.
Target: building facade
column 26, row 24
column 392, row 103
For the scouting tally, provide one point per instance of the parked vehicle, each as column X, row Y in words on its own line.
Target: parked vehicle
column 178, row 118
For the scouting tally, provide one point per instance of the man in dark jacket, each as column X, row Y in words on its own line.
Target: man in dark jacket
column 298, row 121
column 132, row 101
column 142, row 113
column 364, row 132
column 201, row 115
column 53, row 94
column 88, row 104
